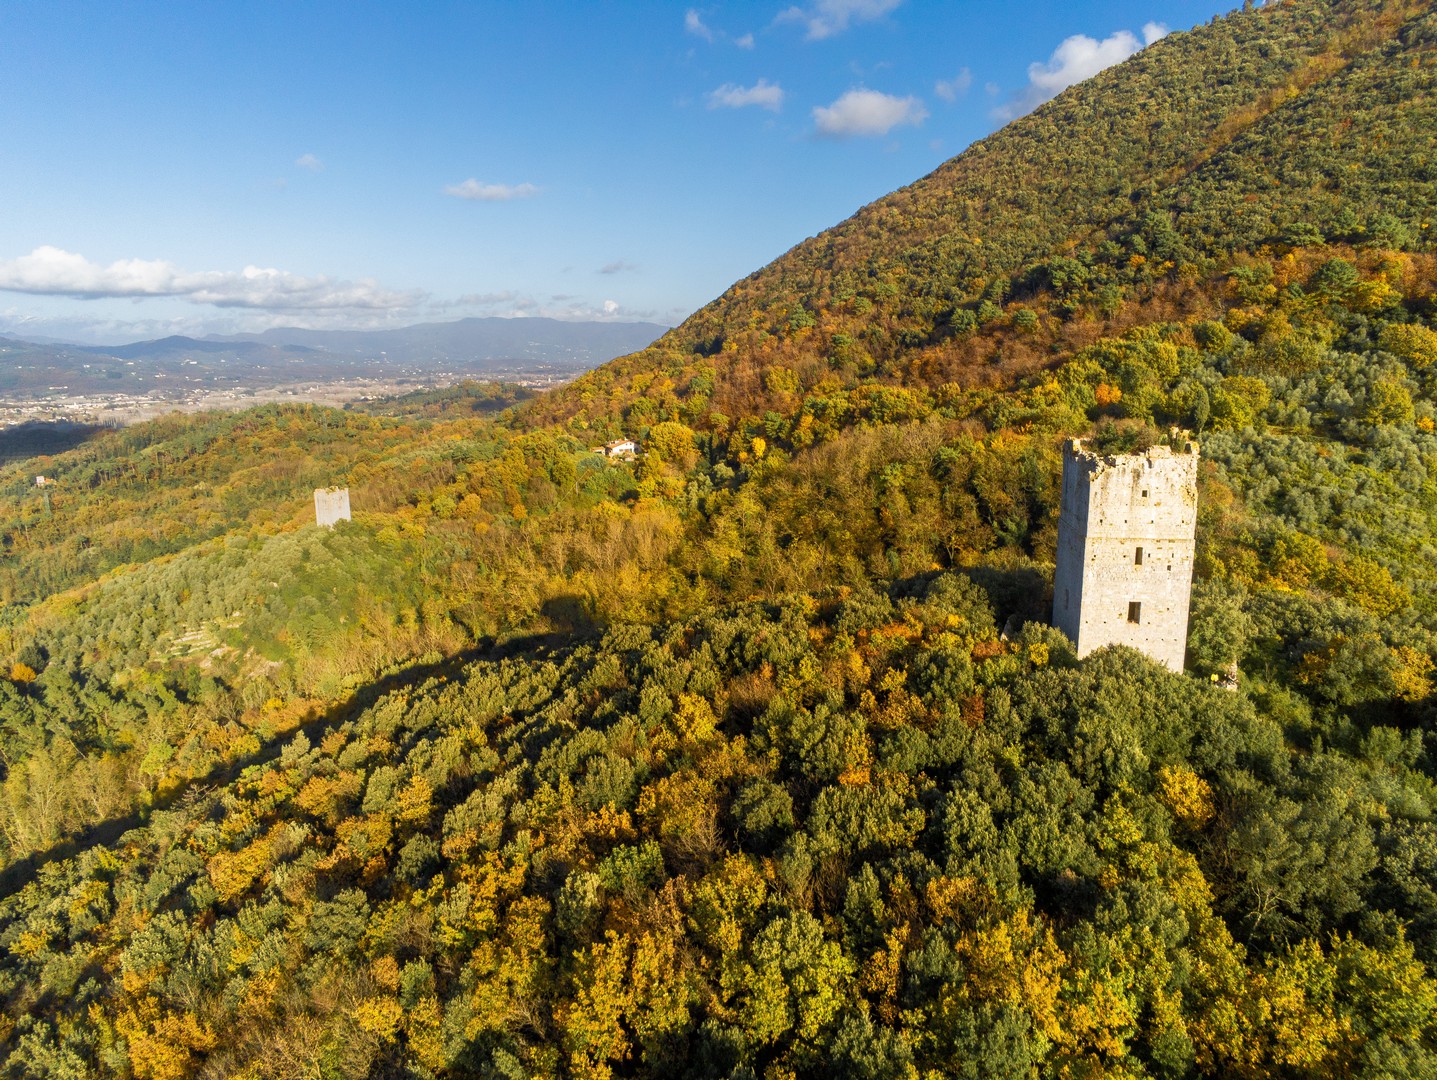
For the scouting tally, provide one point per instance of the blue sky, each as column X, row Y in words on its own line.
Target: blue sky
column 218, row 167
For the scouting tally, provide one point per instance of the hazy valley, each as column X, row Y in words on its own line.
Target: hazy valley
column 124, row 383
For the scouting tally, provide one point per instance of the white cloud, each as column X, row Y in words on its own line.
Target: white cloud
column 110, row 322
column 1077, row 58
column 825, row 18
column 489, row 299
column 606, row 311
column 515, row 305
column 619, row 266
column 49, row 271
column 694, row 24
column 1081, row 57
column 952, row 89
column 867, row 112
column 309, row 162
column 763, row 93
column 506, row 303
column 473, row 189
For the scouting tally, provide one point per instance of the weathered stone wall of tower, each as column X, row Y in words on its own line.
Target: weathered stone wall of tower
column 331, row 505
column 1125, row 550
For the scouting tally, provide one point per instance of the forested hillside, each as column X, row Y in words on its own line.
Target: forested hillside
column 1120, row 202
column 130, row 495
column 753, row 756
column 866, row 836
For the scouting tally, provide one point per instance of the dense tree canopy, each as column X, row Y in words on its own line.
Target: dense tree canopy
column 865, row 834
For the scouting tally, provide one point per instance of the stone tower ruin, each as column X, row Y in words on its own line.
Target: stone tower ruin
column 1125, row 549
column 331, row 505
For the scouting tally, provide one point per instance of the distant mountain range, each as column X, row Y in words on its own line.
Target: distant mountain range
column 179, row 346
column 550, row 341
column 492, row 346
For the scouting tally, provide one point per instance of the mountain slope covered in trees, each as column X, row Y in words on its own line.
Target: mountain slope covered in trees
column 1286, row 124
column 753, row 757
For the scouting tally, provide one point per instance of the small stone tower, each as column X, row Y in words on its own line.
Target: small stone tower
column 1125, row 550
column 331, row 505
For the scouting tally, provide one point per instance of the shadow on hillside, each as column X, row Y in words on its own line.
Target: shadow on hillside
column 36, row 437
column 1023, row 594
column 105, row 833
column 571, row 613
column 1018, row 595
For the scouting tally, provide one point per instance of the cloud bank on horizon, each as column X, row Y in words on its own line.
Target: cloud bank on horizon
column 268, row 297
column 51, row 271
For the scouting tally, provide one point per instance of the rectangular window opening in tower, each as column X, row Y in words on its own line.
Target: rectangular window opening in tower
column 1135, row 612
column 1138, row 557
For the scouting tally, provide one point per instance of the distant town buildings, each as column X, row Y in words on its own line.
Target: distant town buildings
column 331, row 505
column 1125, row 550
